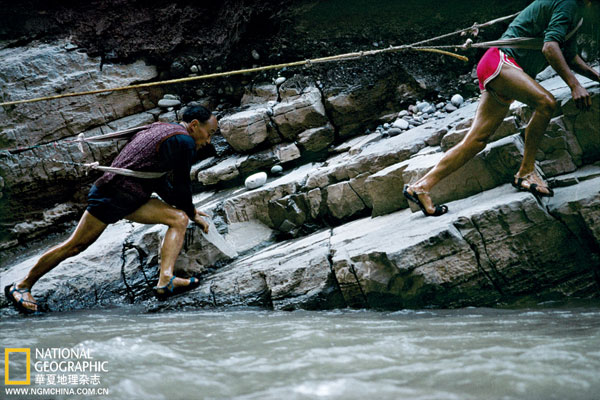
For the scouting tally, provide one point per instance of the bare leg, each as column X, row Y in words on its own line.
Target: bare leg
column 158, row 212
column 511, row 83
column 516, row 84
column 489, row 116
column 86, row 233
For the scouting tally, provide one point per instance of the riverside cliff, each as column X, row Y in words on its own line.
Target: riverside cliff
column 333, row 230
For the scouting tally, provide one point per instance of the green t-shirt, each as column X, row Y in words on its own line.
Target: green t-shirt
column 551, row 20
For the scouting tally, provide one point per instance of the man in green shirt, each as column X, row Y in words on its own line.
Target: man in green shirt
column 508, row 74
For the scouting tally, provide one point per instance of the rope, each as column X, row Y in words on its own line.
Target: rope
column 96, row 165
column 124, row 134
column 127, row 132
column 341, row 57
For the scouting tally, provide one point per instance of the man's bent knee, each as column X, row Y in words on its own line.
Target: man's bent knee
column 547, row 105
column 179, row 220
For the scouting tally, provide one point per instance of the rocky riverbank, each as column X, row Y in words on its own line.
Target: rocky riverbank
column 330, row 227
column 337, row 233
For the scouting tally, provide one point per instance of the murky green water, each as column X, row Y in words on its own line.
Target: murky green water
column 549, row 353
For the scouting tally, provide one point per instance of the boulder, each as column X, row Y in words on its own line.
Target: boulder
column 287, row 276
column 259, row 94
column 224, row 171
column 343, row 201
column 487, row 249
column 585, row 126
column 247, row 129
column 508, row 127
column 316, row 139
column 385, row 189
column 47, row 69
column 254, row 204
column 493, row 166
column 296, row 114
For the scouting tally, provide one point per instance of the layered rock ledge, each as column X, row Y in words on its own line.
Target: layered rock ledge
column 336, row 232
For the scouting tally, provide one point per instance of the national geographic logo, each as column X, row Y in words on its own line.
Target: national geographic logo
column 16, row 352
column 53, row 371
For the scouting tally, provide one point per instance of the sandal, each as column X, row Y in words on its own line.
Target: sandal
column 9, row 293
column 533, row 187
column 170, row 289
column 414, row 197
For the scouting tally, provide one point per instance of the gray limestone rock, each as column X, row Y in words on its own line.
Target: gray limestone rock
column 247, row 129
column 259, row 94
column 296, row 114
column 343, row 201
column 316, row 139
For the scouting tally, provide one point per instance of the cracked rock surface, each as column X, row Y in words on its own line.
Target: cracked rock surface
column 334, row 232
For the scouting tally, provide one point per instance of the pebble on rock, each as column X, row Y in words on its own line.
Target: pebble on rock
column 400, row 124
column 429, row 110
column 276, row 169
column 422, row 106
column 457, row 100
column 279, row 80
column 256, row 180
column 166, row 103
column 194, row 69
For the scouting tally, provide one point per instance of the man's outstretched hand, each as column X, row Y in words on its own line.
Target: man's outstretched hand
column 200, row 221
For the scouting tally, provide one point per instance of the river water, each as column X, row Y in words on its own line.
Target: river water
column 475, row 353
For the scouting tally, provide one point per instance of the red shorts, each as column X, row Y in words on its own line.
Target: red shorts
column 490, row 65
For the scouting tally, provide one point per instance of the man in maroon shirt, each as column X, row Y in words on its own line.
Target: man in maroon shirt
column 161, row 147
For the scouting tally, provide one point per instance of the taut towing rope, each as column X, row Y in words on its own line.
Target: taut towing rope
column 474, row 29
column 418, row 46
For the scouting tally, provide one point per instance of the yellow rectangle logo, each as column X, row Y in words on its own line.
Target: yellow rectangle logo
column 7, row 352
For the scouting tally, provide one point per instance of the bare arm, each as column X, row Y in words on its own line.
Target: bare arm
column 580, row 66
column 556, row 59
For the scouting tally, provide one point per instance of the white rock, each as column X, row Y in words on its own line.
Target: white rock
column 402, row 113
column 194, row 69
column 457, row 100
column 256, row 180
column 422, row 106
column 280, row 80
column 170, row 97
column 276, row 169
column 166, row 103
column 255, row 55
column 400, row 123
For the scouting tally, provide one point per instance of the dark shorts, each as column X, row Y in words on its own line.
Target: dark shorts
column 109, row 205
